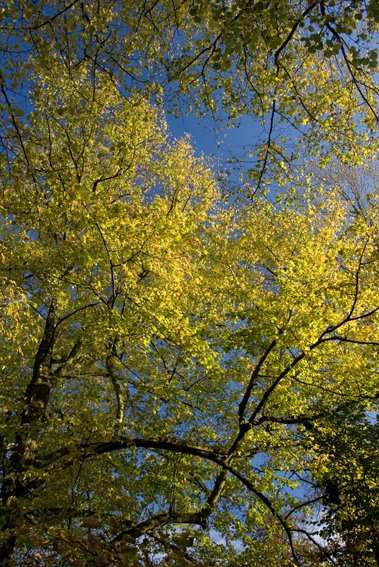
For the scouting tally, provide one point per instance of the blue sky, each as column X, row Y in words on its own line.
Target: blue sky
column 210, row 138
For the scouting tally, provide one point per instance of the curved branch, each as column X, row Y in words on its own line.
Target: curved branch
column 155, row 522
column 337, row 36
column 177, row 446
column 293, row 30
column 55, row 16
column 103, row 447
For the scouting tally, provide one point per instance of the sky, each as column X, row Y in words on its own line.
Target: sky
column 221, row 144
column 216, row 141
column 209, row 138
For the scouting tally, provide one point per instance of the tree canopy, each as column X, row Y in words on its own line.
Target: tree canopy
column 305, row 70
column 187, row 378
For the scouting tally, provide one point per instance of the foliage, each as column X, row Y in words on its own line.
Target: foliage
column 305, row 70
column 183, row 376
column 347, row 472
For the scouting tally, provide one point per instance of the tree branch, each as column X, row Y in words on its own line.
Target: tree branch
column 39, row 388
column 117, row 390
column 254, row 376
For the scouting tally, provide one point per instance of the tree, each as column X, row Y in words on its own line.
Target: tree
column 304, row 70
column 163, row 355
column 173, row 368
column 346, row 472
